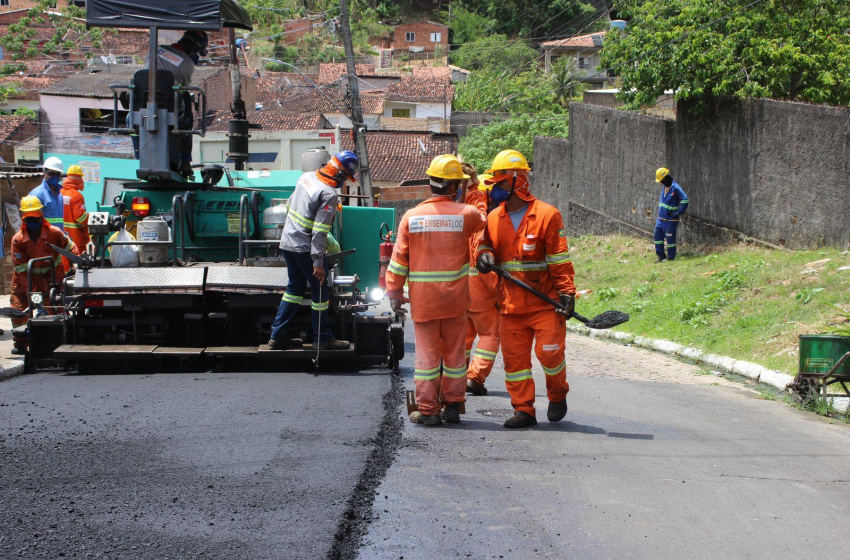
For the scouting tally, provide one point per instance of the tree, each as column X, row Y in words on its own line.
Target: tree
column 526, row 92
column 565, row 81
column 482, row 143
column 797, row 50
column 67, row 31
column 539, row 21
column 466, row 26
column 495, row 53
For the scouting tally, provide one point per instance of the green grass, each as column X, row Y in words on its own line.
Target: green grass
column 746, row 302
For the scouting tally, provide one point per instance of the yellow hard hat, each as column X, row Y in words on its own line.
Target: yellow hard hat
column 447, row 167
column 481, row 185
column 660, row 173
column 31, row 206
column 75, row 170
column 509, row 159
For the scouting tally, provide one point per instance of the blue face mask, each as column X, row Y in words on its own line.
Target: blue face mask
column 52, row 181
column 33, row 226
column 498, row 195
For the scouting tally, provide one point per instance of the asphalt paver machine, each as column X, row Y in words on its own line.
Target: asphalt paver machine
column 200, row 297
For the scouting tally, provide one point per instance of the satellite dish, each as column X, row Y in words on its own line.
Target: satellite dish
column 104, row 59
column 112, row 59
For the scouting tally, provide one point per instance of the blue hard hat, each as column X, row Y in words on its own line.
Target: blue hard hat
column 349, row 161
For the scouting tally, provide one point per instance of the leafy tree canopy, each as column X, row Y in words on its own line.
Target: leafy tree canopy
column 495, row 53
column 797, row 50
column 530, row 91
column 68, row 33
column 538, row 21
column 466, row 26
column 482, row 143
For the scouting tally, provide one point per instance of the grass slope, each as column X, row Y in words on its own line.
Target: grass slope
column 745, row 302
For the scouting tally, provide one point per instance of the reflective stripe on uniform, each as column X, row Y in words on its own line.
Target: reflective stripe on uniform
column 483, row 247
column 520, row 266
column 514, row 376
column 454, row 373
column 84, row 218
column 320, row 306
column 439, row 275
column 473, row 271
column 397, row 268
column 322, row 228
column 55, row 220
column 558, row 258
column 21, row 267
column 289, row 298
column 555, row 370
column 427, row 374
column 485, row 354
column 72, row 225
column 667, row 206
column 299, row 219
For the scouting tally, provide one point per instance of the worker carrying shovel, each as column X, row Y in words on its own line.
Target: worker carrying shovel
column 432, row 253
column 525, row 237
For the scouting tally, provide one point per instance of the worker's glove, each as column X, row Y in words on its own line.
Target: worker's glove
column 485, row 263
column 396, row 305
column 568, row 305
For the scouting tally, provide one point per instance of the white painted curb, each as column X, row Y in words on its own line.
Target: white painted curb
column 774, row 378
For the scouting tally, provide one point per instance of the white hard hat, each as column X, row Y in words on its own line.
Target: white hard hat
column 53, row 164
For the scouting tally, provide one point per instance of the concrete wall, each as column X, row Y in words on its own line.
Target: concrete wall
column 770, row 170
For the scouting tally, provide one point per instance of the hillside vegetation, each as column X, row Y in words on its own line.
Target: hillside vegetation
column 746, row 302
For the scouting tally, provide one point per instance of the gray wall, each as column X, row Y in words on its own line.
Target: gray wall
column 771, row 170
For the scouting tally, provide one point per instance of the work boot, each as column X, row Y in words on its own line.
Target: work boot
column 452, row 413
column 520, row 419
column 475, row 388
column 660, row 258
column 430, row 420
column 19, row 351
column 284, row 344
column 185, row 169
column 332, row 344
column 557, row 411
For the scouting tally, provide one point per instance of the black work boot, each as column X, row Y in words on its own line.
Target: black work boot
column 284, row 344
column 430, row 420
column 557, row 411
column 520, row 419
column 451, row 415
column 475, row 388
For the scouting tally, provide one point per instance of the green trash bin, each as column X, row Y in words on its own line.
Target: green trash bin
column 819, row 352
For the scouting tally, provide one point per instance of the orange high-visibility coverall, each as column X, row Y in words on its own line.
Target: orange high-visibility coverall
column 432, row 253
column 76, row 218
column 483, row 318
column 24, row 250
column 538, row 255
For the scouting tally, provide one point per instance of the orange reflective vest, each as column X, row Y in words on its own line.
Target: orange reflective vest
column 537, row 254
column 432, row 253
column 76, row 217
column 483, row 288
column 25, row 249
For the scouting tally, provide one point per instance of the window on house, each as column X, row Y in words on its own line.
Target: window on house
column 99, row 121
column 402, row 113
column 78, row 3
column 436, row 37
column 583, row 63
column 4, row 2
column 410, row 36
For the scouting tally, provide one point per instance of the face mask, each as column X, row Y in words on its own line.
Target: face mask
column 33, row 226
column 498, row 195
column 52, row 181
column 195, row 58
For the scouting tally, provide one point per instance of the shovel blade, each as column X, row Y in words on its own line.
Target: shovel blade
column 412, row 405
column 608, row 319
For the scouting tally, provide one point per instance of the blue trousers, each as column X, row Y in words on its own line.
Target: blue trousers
column 299, row 266
column 665, row 231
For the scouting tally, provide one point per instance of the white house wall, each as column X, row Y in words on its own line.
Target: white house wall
column 62, row 134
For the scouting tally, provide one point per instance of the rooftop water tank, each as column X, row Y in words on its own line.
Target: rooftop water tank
column 314, row 158
column 619, row 24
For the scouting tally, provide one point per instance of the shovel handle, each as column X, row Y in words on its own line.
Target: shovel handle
column 508, row 276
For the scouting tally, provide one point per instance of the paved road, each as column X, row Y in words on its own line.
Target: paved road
column 658, row 459
column 184, row 466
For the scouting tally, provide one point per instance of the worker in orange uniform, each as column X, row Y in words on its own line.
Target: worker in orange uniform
column 76, row 218
column 31, row 242
column 526, row 237
column 432, row 253
column 483, row 317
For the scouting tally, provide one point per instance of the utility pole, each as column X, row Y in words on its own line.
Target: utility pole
column 356, row 111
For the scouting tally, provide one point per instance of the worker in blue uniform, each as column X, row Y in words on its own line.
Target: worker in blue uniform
column 49, row 193
column 672, row 204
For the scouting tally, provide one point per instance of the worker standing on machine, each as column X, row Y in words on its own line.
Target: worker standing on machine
column 310, row 212
column 526, row 238
column 432, row 254
column 31, row 242
column 75, row 215
column 483, row 318
column 49, row 193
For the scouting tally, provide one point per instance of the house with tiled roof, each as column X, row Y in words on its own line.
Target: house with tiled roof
column 28, row 89
column 277, row 144
column 78, row 110
column 14, row 130
column 584, row 51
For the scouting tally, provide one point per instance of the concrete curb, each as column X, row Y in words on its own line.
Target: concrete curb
column 12, row 371
column 761, row 374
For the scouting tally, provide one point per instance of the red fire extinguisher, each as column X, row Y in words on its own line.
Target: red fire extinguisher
column 385, row 253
